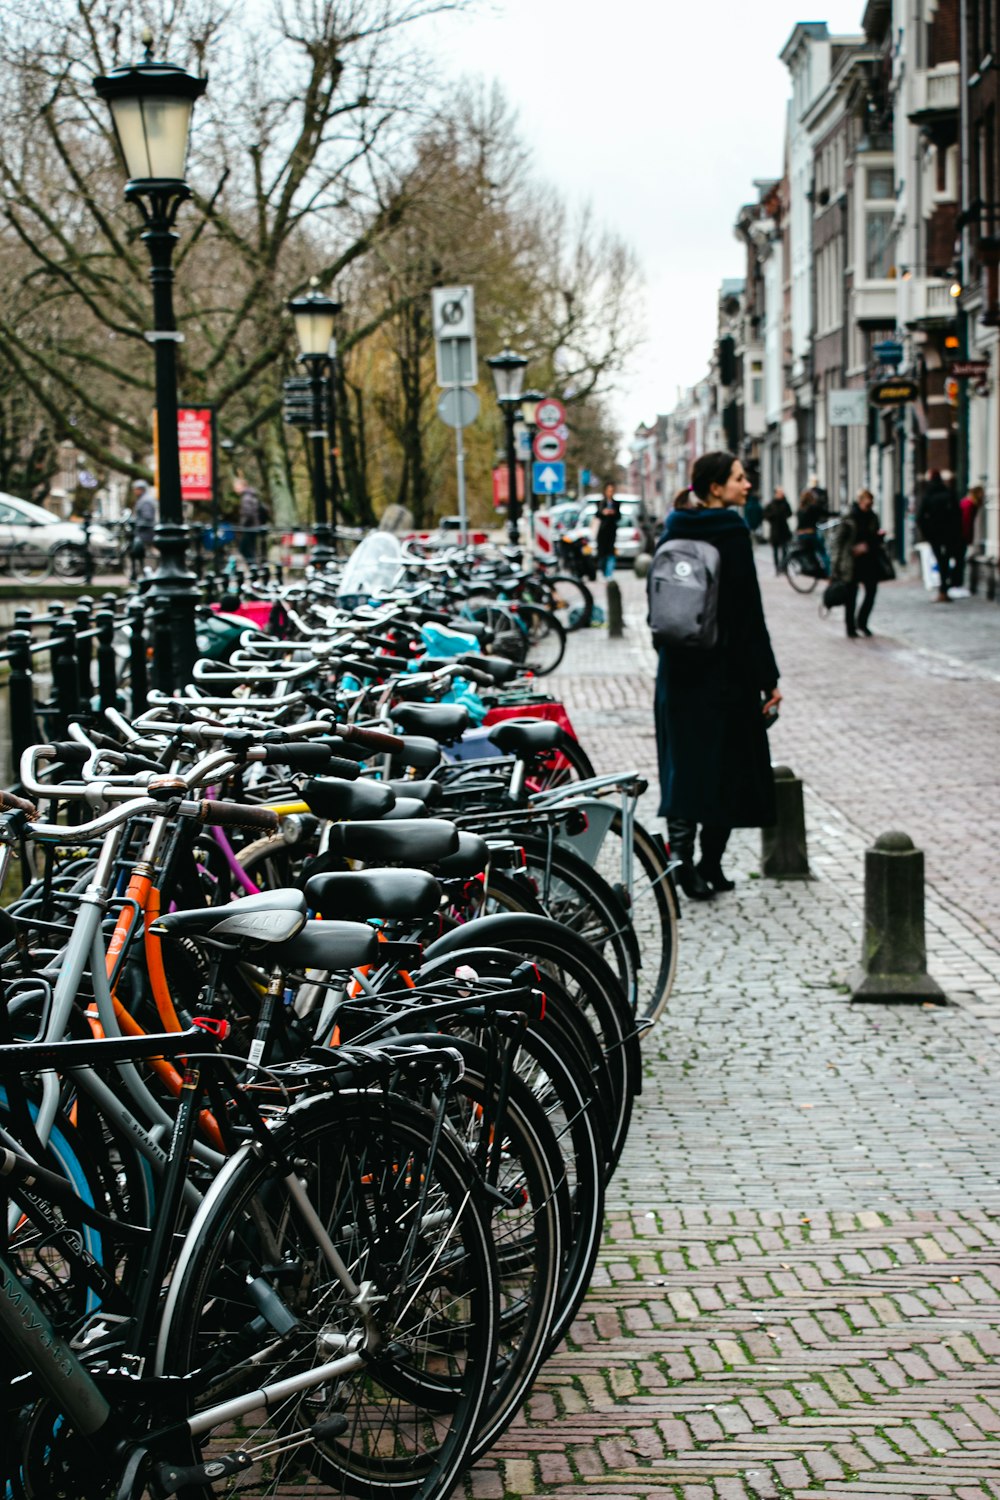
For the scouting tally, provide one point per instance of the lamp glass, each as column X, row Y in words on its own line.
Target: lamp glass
column 529, row 405
column 508, row 374
column 153, row 135
column 314, row 320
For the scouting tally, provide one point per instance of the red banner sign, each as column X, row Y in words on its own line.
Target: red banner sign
column 194, row 441
column 501, row 485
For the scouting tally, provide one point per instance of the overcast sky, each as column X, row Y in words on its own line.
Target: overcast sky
column 661, row 115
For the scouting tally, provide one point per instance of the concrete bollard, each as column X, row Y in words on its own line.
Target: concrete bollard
column 783, row 851
column 893, row 948
column 615, row 624
column 642, row 565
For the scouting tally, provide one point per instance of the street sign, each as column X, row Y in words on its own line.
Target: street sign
column 888, row 352
column 548, row 479
column 454, row 312
column 549, row 445
column 196, row 445
column 455, row 361
column 562, row 431
column 522, row 443
column 969, row 369
column 549, row 413
column 847, row 408
column 458, row 407
column 501, row 485
column 893, row 392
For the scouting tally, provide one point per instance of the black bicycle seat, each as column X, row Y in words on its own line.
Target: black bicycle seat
column 429, row 792
column 406, row 807
column 348, row 799
column 525, row 737
column 330, row 945
column 421, row 841
column 500, row 668
column 271, row 917
column 361, row 894
column 470, row 858
column 418, row 752
column 444, row 722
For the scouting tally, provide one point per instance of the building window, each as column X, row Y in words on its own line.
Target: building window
column 878, row 244
column 880, row 183
column 756, row 381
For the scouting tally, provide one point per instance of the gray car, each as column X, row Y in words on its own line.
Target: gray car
column 34, row 541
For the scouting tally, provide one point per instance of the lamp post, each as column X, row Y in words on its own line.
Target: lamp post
column 508, row 378
column 529, row 406
column 315, row 315
column 151, row 106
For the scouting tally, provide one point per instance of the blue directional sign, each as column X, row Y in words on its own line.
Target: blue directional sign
column 548, row 478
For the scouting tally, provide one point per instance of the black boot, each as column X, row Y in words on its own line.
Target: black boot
column 713, row 847
column 682, row 836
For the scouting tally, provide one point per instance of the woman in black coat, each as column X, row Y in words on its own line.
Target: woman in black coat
column 712, row 706
column 856, row 560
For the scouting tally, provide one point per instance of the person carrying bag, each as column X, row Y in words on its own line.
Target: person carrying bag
column 858, row 561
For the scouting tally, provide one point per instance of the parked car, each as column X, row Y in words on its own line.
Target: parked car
column 636, row 528
column 41, row 540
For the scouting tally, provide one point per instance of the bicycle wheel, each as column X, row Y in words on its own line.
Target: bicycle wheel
column 803, row 580
column 516, row 1153
column 67, row 561
column 592, row 986
column 30, row 561
column 569, row 599
column 567, row 762
column 546, row 639
column 651, row 906
column 254, row 1301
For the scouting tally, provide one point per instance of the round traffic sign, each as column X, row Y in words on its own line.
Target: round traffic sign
column 562, row 431
column 458, row 407
column 549, row 413
column 549, row 446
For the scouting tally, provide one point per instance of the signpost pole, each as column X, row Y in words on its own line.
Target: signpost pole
column 463, row 521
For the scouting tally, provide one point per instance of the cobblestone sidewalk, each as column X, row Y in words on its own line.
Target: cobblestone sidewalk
column 799, row 1292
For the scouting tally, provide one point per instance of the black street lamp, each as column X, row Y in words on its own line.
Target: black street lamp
column 508, row 378
column 151, row 106
column 315, row 316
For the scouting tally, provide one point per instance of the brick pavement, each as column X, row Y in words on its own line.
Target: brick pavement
column 799, row 1292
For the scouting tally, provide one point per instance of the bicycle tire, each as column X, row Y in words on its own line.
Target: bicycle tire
column 68, row 561
column 802, row 581
column 364, row 1159
column 592, row 985
column 30, row 563
column 546, row 639
column 569, row 761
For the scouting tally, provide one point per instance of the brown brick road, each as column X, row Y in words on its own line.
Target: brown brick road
column 799, row 1292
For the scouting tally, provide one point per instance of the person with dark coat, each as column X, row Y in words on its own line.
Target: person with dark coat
column 940, row 522
column 855, row 560
column 778, row 514
column 608, row 515
column 712, row 706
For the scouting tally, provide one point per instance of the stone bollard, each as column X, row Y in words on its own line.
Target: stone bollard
column 893, row 949
column 615, row 624
column 783, row 852
column 642, row 565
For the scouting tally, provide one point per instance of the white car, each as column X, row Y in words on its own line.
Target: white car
column 33, row 540
column 634, row 526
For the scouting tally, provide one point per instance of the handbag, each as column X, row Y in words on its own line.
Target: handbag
column 885, row 567
column 834, row 595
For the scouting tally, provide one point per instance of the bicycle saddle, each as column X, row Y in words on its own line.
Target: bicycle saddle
column 419, row 841
column 271, row 917
column 361, row 894
column 444, row 722
column 417, row 752
column 470, row 858
column 429, row 792
column 330, row 945
column 348, row 799
column 525, row 737
column 500, row 668
column 406, row 807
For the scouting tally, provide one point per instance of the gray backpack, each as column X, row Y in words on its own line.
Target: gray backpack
column 684, row 594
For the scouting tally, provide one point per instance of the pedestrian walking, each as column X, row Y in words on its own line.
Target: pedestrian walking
column 144, row 516
column 940, row 522
column 812, row 510
column 713, row 705
column 250, row 515
column 969, row 507
column 778, row 515
column 608, row 516
column 855, row 561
